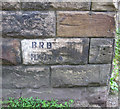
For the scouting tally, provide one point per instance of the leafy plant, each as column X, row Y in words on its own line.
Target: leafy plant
column 35, row 103
column 116, row 66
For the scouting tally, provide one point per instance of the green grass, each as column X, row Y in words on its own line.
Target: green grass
column 114, row 80
column 35, row 103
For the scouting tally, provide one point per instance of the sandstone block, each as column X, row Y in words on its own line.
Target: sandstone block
column 10, row 51
column 83, row 24
column 82, row 75
column 55, row 5
column 28, row 23
column 25, row 77
column 97, row 95
column 101, row 50
column 71, row 5
column 55, row 51
column 103, row 6
column 35, row 5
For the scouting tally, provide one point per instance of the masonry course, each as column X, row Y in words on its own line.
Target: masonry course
column 93, row 95
column 85, row 6
column 82, row 6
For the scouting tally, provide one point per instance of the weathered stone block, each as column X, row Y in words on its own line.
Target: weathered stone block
column 35, row 5
column 11, row 6
column 55, row 5
column 71, row 5
column 91, row 95
column 55, row 51
column 103, row 6
column 25, row 77
column 28, row 23
column 97, row 95
column 83, row 75
column 10, row 51
column 101, row 50
column 83, row 24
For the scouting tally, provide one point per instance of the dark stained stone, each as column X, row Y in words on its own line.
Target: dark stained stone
column 101, row 50
column 55, row 5
column 25, row 77
column 35, row 6
column 10, row 51
column 82, row 75
column 29, row 24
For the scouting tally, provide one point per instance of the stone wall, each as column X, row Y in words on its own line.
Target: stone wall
column 60, row 50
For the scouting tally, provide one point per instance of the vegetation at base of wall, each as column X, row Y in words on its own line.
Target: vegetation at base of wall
column 31, row 102
column 114, row 80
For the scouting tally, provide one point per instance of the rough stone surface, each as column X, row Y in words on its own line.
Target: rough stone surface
column 55, row 51
column 71, row 5
column 10, row 51
column 25, row 77
column 83, row 24
column 103, row 6
column 54, row 6
column 83, row 75
column 113, row 101
column 101, row 50
column 97, row 95
column 35, row 6
column 28, row 23
column 11, row 6
column 93, row 95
